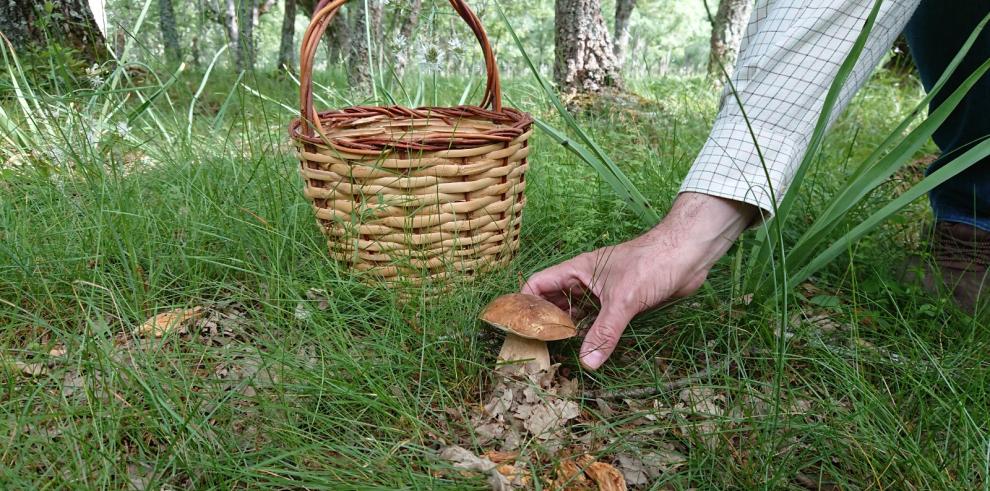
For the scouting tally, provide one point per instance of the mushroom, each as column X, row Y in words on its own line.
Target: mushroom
column 529, row 322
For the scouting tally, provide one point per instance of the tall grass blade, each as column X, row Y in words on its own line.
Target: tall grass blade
column 199, row 91
column 874, row 175
column 950, row 170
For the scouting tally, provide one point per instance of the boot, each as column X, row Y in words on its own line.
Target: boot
column 962, row 257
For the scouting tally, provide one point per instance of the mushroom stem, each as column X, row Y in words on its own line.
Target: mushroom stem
column 517, row 348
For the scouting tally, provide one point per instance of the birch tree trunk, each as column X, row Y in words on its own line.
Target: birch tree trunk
column 287, row 47
column 170, row 35
column 623, row 12
column 30, row 25
column 246, row 13
column 359, row 65
column 584, row 60
column 727, row 34
column 229, row 20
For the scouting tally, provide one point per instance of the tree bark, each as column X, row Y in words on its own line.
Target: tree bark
column 584, row 58
column 359, row 65
column 170, row 34
column 31, row 25
column 727, row 33
column 623, row 12
column 338, row 37
column 228, row 19
column 246, row 19
column 287, row 47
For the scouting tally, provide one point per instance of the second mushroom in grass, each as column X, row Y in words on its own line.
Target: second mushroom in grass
column 529, row 322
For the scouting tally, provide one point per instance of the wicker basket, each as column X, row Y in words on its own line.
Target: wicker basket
column 414, row 195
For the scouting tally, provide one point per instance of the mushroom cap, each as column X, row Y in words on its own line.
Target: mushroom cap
column 529, row 317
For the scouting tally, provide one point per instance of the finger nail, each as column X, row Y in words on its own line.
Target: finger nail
column 593, row 359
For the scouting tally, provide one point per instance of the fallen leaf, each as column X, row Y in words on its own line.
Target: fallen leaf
column 72, row 381
column 607, row 478
column 605, row 408
column 545, row 419
column 463, row 458
column 570, row 477
column 140, row 476
column 500, row 457
column 517, row 476
column 57, row 352
column 639, row 470
column 634, row 470
column 26, row 369
column 302, row 313
column 166, row 322
column 321, row 297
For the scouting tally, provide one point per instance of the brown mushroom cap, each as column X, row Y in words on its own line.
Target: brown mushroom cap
column 529, row 317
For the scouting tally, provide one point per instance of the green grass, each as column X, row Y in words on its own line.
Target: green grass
column 893, row 389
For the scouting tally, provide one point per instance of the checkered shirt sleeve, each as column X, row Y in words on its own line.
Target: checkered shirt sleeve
column 790, row 55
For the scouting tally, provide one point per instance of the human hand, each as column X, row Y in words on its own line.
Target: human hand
column 670, row 261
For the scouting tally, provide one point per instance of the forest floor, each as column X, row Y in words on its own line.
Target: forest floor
column 292, row 374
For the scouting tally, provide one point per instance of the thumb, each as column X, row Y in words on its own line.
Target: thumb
column 604, row 336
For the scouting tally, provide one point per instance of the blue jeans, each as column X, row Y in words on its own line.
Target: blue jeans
column 935, row 34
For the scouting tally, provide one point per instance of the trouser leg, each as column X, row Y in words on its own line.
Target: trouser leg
column 935, row 34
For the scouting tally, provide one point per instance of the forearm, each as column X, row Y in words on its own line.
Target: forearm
column 706, row 222
column 790, row 58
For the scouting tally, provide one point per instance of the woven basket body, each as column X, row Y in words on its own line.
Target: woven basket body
column 414, row 195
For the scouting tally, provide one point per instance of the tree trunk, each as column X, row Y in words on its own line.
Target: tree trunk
column 359, row 65
column 727, row 33
column 170, row 35
column 338, row 37
column 246, row 18
column 406, row 30
column 230, row 25
column 287, row 48
column 623, row 12
column 584, row 58
column 31, row 25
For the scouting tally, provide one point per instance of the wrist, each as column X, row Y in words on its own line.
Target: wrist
column 702, row 226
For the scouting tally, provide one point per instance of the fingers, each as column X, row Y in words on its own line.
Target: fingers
column 556, row 284
column 604, row 334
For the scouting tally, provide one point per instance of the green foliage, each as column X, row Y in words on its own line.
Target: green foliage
column 367, row 386
column 197, row 202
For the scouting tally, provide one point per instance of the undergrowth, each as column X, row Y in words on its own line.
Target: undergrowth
column 309, row 378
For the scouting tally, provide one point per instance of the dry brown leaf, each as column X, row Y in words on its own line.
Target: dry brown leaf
column 500, row 457
column 166, row 322
column 518, row 477
column 58, row 351
column 607, row 478
column 543, row 420
column 570, row 477
column 585, row 460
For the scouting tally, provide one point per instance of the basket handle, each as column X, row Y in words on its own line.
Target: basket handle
column 323, row 14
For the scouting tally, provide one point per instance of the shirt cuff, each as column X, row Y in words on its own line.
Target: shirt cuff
column 729, row 164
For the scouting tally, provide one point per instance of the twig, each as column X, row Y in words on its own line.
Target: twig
column 652, row 391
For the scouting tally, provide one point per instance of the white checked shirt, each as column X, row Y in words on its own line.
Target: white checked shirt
column 790, row 55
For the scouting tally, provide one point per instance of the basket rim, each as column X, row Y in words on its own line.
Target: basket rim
column 513, row 123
